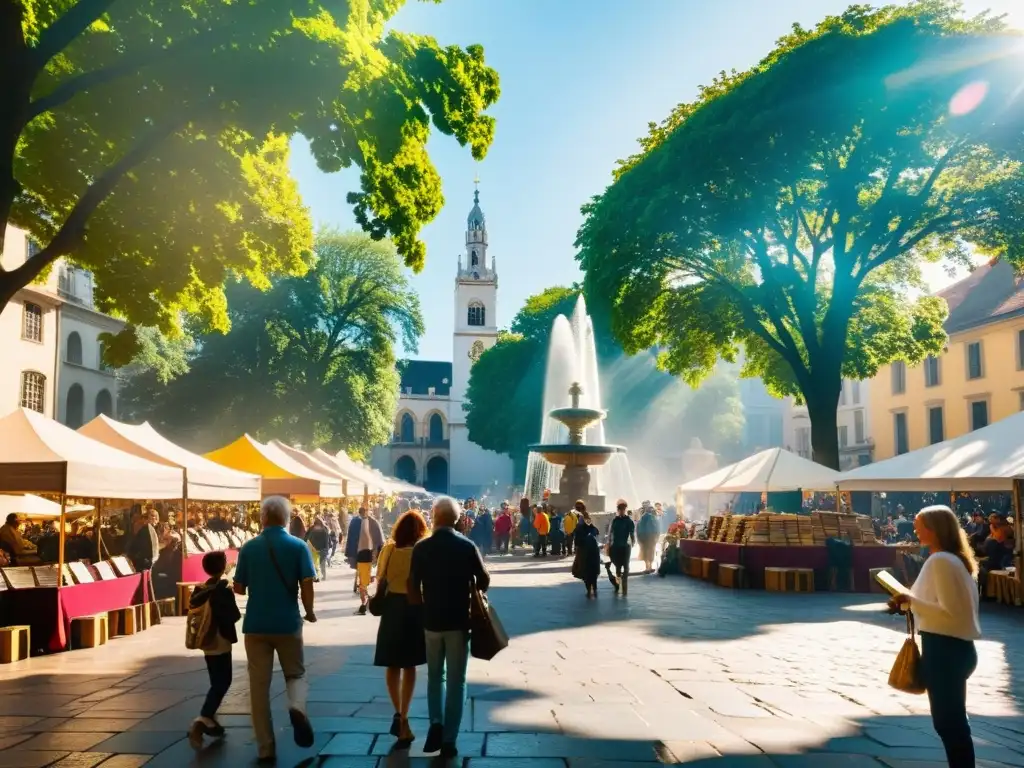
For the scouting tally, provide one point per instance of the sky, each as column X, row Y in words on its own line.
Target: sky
column 580, row 81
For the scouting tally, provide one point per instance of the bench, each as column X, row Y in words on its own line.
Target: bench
column 732, row 576
column 185, row 589
column 789, row 579
column 15, row 643
column 143, row 617
column 123, row 621
column 90, row 631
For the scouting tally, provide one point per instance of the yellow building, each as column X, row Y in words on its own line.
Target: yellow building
column 977, row 380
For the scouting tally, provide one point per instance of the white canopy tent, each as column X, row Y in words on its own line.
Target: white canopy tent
column 773, row 470
column 988, row 459
column 38, row 508
column 375, row 481
column 205, row 480
column 314, row 463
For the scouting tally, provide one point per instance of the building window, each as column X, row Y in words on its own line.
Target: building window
column 476, row 314
column 436, row 428
column 31, row 248
column 104, row 403
column 31, row 322
column 855, row 391
column 74, row 407
column 474, row 259
column 931, row 371
column 73, row 353
column 899, row 377
column 803, row 441
column 33, row 390
column 407, row 431
column 979, row 414
column 899, row 428
column 858, row 427
column 975, row 367
column 844, row 436
column 936, row 425
column 842, row 392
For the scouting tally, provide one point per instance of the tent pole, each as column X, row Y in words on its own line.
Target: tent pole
column 183, row 523
column 60, row 546
column 97, row 528
column 1017, row 532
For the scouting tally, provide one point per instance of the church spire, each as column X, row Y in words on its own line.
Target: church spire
column 476, row 240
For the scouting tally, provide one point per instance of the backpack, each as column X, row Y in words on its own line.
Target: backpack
column 200, row 632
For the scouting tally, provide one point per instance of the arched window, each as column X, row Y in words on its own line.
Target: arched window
column 33, row 390
column 31, row 322
column 477, row 314
column 74, row 408
column 105, row 403
column 405, row 469
column 436, row 428
column 474, row 259
column 407, row 430
column 74, row 350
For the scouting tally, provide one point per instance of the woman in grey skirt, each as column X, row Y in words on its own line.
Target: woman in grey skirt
column 401, row 644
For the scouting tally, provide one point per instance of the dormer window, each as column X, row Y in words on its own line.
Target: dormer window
column 474, row 259
column 476, row 315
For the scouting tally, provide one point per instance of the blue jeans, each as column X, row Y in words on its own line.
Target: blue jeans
column 447, row 659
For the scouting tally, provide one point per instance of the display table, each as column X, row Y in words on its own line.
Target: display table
column 1003, row 587
column 49, row 611
column 192, row 566
column 755, row 558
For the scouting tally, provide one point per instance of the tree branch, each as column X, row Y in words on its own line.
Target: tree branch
column 59, row 35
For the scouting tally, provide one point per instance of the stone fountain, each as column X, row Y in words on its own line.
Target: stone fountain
column 576, row 457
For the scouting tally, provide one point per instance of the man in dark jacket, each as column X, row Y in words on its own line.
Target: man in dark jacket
column 621, row 538
column 320, row 539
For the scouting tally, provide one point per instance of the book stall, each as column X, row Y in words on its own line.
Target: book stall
column 41, row 602
column 780, row 550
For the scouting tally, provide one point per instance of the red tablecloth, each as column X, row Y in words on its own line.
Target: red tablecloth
column 49, row 611
column 756, row 558
column 192, row 567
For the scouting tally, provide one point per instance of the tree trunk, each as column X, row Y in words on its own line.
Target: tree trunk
column 15, row 94
column 821, row 408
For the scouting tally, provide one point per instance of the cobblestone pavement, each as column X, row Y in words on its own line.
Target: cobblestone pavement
column 680, row 672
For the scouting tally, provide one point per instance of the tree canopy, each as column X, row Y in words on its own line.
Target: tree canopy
column 786, row 212
column 311, row 361
column 149, row 141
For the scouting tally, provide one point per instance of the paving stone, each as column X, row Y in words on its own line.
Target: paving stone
column 351, row 762
column 349, row 744
column 97, row 725
column 525, row 745
column 12, row 739
column 514, row 762
column 127, row 761
column 69, row 741
column 82, row 760
column 469, row 744
column 23, row 758
column 834, row 761
column 139, row 742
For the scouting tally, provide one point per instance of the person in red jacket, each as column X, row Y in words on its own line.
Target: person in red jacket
column 503, row 528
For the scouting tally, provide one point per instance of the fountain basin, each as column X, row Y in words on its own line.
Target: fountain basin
column 576, row 417
column 568, row 455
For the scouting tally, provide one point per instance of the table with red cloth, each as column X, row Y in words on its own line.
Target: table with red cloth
column 755, row 558
column 192, row 566
column 49, row 611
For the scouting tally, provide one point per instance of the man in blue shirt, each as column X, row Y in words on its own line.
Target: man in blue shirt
column 274, row 568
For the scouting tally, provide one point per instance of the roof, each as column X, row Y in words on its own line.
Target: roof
column 421, row 375
column 476, row 220
column 991, row 292
column 775, row 469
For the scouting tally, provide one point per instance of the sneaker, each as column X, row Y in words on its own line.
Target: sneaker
column 434, row 737
column 302, row 727
column 362, row 610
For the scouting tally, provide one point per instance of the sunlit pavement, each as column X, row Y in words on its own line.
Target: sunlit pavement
column 678, row 672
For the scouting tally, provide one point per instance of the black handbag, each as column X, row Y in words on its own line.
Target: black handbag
column 487, row 635
column 375, row 605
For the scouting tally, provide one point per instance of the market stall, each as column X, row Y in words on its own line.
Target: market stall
column 987, row 459
column 771, row 540
column 204, row 482
column 282, row 475
column 39, row 455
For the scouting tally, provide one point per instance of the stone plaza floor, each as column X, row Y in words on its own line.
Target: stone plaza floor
column 680, row 672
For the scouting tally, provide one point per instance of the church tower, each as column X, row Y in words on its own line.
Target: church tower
column 476, row 305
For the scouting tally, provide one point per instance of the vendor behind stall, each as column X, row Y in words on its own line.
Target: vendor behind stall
column 11, row 541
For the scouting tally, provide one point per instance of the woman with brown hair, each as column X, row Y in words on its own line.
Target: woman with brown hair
column 944, row 601
column 401, row 644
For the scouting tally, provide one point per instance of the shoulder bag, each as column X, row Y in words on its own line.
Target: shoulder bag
column 487, row 636
column 375, row 605
column 293, row 589
column 905, row 674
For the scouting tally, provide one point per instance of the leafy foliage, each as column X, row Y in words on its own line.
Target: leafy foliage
column 311, row 360
column 787, row 210
column 148, row 141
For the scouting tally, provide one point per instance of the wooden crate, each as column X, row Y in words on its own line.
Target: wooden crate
column 90, row 631
column 732, row 576
column 123, row 622
column 185, row 589
column 708, row 569
column 694, row 567
column 789, row 579
column 15, row 643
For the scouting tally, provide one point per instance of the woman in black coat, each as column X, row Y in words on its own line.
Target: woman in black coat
column 587, row 564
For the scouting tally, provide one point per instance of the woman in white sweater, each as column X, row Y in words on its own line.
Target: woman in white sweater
column 944, row 601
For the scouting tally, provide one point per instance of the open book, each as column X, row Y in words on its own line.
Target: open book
column 890, row 583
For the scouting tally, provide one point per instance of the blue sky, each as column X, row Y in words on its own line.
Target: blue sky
column 580, row 81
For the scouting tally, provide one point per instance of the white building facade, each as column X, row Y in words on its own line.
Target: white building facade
column 856, row 448
column 50, row 343
column 431, row 445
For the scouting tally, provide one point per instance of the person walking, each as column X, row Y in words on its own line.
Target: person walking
column 275, row 570
column 621, row 538
column 503, row 528
column 401, row 643
column 648, row 531
column 556, row 535
column 319, row 539
column 541, row 527
column 365, row 540
column 525, row 523
column 224, row 614
column 588, row 550
column 483, row 531
column 444, row 566
column 944, row 600
column 569, row 523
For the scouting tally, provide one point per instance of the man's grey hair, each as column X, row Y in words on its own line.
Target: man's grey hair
column 445, row 512
column 275, row 510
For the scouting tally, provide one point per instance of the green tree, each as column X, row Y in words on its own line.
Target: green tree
column 148, row 140
column 788, row 209
column 311, row 360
